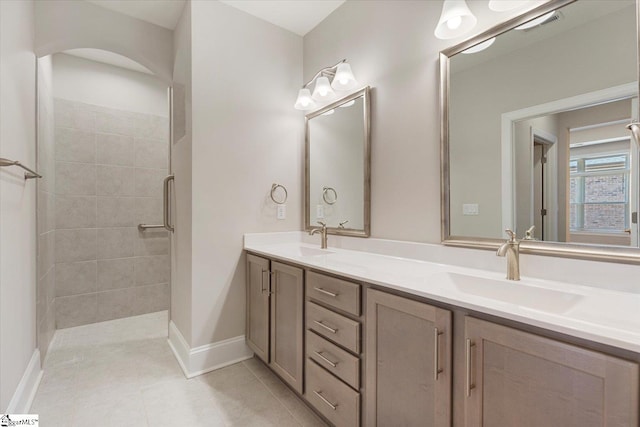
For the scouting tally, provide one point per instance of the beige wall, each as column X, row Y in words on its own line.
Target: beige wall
column 69, row 24
column 45, row 297
column 17, row 196
column 246, row 136
column 181, row 153
column 91, row 82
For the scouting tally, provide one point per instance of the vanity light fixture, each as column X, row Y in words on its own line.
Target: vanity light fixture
column 456, row 19
column 323, row 91
column 505, row 5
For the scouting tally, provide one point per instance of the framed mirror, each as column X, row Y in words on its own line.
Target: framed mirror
column 534, row 132
column 337, row 166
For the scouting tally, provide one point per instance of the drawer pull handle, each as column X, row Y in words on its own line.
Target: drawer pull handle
column 330, row 362
column 333, row 331
column 470, row 384
column 324, row 291
column 436, row 357
column 331, row 405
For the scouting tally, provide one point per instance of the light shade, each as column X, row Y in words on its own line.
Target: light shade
column 505, row 5
column 480, row 46
column 304, row 101
column 344, row 79
column 323, row 91
column 456, row 19
column 535, row 22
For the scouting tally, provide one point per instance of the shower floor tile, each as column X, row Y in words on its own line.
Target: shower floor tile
column 122, row 372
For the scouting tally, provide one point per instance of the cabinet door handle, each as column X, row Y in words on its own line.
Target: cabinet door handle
column 436, row 356
column 470, row 384
column 262, row 289
column 333, row 331
column 330, row 362
column 331, row 405
column 273, row 276
column 324, row 291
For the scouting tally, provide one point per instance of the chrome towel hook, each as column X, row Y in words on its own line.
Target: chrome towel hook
column 274, row 187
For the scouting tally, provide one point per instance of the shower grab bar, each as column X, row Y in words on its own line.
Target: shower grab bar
column 165, row 205
column 143, row 227
column 30, row 174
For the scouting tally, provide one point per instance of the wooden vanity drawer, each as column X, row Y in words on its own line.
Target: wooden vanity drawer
column 334, row 399
column 334, row 359
column 337, row 293
column 335, row 327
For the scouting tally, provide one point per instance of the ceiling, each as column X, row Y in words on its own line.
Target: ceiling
column 297, row 16
column 164, row 13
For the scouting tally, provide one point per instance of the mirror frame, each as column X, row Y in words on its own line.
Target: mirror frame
column 366, row 107
column 617, row 254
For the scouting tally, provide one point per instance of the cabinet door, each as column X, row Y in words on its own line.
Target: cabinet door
column 408, row 362
column 514, row 378
column 258, row 306
column 287, row 298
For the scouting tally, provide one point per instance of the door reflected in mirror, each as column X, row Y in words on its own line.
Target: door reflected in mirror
column 337, row 166
column 573, row 174
column 535, row 129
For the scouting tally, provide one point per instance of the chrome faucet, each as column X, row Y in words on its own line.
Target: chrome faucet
column 323, row 234
column 511, row 250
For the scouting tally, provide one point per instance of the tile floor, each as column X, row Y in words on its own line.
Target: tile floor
column 122, row 372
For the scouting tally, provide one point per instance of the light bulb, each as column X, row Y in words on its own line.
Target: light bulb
column 454, row 23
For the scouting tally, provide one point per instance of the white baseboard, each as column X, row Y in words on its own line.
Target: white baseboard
column 25, row 392
column 200, row 360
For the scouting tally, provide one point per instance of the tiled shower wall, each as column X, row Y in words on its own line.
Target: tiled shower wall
column 109, row 169
column 45, row 295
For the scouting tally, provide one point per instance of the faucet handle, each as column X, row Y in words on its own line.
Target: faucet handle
column 324, row 224
column 528, row 235
column 341, row 225
column 512, row 235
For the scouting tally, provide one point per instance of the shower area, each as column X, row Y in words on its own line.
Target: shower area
column 103, row 149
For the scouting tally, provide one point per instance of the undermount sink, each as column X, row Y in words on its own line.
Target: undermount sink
column 304, row 251
column 513, row 292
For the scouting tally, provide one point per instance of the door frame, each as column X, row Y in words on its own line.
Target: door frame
column 508, row 122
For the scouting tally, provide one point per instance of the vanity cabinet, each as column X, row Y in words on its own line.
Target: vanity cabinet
column 275, row 327
column 515, row 378
column 408, row 372
column 364, row 356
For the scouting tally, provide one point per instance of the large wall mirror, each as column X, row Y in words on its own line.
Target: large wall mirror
column 534, row 132
column 338, row 166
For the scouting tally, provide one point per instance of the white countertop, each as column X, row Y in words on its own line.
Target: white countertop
column 600, row 315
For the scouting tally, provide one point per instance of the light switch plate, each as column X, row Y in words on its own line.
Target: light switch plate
column 319, row 211
column 281, row 212
column 470, row 209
